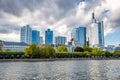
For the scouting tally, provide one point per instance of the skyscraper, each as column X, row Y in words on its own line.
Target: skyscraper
column 79, row 36
column 101, row 33
column 96, row 33
column 48, row 37
column 60, row 40
column 26, row 34
column 35, row 37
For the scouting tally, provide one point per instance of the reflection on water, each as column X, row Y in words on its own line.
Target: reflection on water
column 61, row 70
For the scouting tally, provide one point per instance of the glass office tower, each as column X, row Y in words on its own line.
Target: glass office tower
column 60, row 40
column 26, row 34
column 48, row 37
column 101, row 34
column 35, row 37
column 79, row 36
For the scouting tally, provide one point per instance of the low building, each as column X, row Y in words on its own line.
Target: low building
column 117, row 48
column 13, row 46
column 110, row 48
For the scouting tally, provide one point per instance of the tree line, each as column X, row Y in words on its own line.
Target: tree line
column 34, row 51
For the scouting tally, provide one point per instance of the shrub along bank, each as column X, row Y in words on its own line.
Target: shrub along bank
column 34, row 51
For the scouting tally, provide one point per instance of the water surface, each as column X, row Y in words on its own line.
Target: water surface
column 61, row 70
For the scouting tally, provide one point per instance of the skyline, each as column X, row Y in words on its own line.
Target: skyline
column 59, row 15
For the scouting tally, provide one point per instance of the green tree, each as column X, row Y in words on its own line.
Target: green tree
column 87, row 48
column 116, row 54
column 62, row 49
column 96, row 52
column 47, row 51
column 107, row 54
column 32, row 51
column 78, row 49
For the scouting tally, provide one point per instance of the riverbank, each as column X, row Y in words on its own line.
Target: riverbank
column 54, row 59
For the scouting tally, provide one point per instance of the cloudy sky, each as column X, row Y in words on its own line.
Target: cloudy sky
column 59, row 15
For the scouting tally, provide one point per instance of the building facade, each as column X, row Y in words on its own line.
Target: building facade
column 101, row 33
column 79, row 36
column 35, row 37
column 14, row 46
column 96, row 36
column 48, row 37
column 26, row 34
column 60, row 40
column 41, row 40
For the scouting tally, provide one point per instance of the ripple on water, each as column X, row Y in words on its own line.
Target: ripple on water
column 61, row 70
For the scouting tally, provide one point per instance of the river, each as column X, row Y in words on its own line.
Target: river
column 61, row 70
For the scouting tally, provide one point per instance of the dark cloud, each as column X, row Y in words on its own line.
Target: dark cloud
column 15, row 7
column 9, row 28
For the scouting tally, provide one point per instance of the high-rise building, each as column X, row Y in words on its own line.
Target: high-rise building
column 26, row 34
column 101, row 34
column 60, row 40
column 35, row 37
column 41, row 40
column 96, row 36
column 79, row 36
column 48, row 37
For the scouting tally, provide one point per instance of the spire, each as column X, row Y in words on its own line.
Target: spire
column 93, row 16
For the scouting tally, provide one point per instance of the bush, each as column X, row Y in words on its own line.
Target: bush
column 8, row 55
column 116, row 54
column 62, row 49
column 70, row 54
column 96, row 52
column 78, row 49
column 87, row 48
column 107, row 54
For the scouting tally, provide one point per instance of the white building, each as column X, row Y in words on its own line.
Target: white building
column 96, row 35
column 26, row 34
column 13, row 46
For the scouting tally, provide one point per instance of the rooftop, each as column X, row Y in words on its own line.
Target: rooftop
column 15, row 43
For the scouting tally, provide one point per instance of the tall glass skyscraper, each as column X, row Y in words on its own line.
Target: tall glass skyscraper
column 35, row 37
column 60, row 40
column 96, row 33
column 101, row 33
column 48, row 37
column 79, row 36
column 26, row 34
